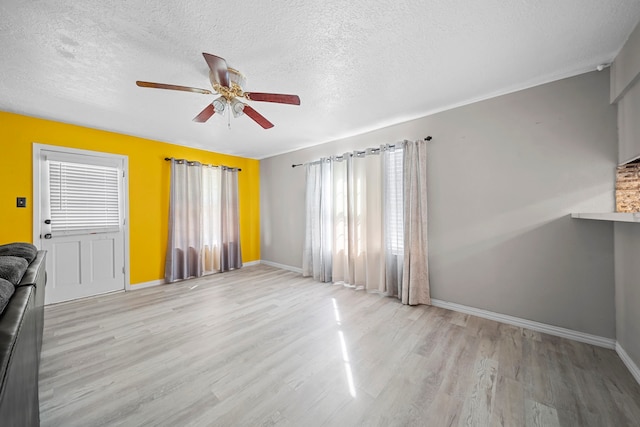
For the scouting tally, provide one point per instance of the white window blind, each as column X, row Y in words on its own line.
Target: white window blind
column 83, row 197
column 395, row 201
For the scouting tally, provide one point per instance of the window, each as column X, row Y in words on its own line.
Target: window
column 83, row 197
column 394, row 201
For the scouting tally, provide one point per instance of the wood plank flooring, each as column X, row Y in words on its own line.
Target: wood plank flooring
column 263, row 346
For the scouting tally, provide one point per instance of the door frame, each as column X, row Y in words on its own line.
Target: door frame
column 37, row 194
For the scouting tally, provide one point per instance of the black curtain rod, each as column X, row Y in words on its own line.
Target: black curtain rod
column 204, row 164
column 426, row 138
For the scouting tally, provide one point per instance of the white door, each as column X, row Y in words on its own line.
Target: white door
column 80, row 221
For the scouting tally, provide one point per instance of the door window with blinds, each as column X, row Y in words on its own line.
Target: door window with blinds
column 84, row 197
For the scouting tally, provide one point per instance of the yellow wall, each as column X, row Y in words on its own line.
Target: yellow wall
column 148, row 186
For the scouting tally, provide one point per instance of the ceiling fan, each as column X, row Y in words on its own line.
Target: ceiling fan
column 229, row 83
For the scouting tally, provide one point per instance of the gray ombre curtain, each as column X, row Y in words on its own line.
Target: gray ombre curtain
column 316, row 256
column 231, row 255
column 185, row 219
column 415, row 280
column 204, row 230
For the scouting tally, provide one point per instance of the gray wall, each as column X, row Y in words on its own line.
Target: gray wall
column 629, row 125
column 625, row 67
column 627, row 268
column 625, row 79
column 504, row 175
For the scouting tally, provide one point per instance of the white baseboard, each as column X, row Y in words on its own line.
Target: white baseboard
column 282, row 266
column 250, row 263
column 144, row 285
column 90, row 297
column 152, row 283
column 529, row 324
column 628, row 362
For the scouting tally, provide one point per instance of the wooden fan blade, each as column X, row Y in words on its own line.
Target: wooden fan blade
column 205, row 114
column 173, row 87
column 257, row 117
column 218, row 67
column 273, row 97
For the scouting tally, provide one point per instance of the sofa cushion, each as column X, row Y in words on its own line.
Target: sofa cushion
column 6, row 290
column 22, row 250
column 12, row 268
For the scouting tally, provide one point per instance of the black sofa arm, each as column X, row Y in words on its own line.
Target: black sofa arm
column 21, row 328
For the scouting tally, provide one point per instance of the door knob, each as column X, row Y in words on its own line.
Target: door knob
column 47, row 236
column 47, row 221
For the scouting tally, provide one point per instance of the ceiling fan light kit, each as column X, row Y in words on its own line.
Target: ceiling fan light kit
column 229, row 83
column 237, row 107
column 219, row 105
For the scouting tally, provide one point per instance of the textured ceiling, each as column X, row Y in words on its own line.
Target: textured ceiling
column 357, row 65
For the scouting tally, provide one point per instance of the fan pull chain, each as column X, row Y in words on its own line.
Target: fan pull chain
column 229, row 118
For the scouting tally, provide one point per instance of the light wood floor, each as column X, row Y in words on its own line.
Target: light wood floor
column 263, row 346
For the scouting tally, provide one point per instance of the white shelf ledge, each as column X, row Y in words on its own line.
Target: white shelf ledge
column 609, row 216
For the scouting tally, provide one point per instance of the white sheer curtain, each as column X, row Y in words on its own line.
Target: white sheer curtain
column 204, row 229
column 211, row 221
column 357, row 205
column 358, row 237
column 341, row 251
column 316, row 257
